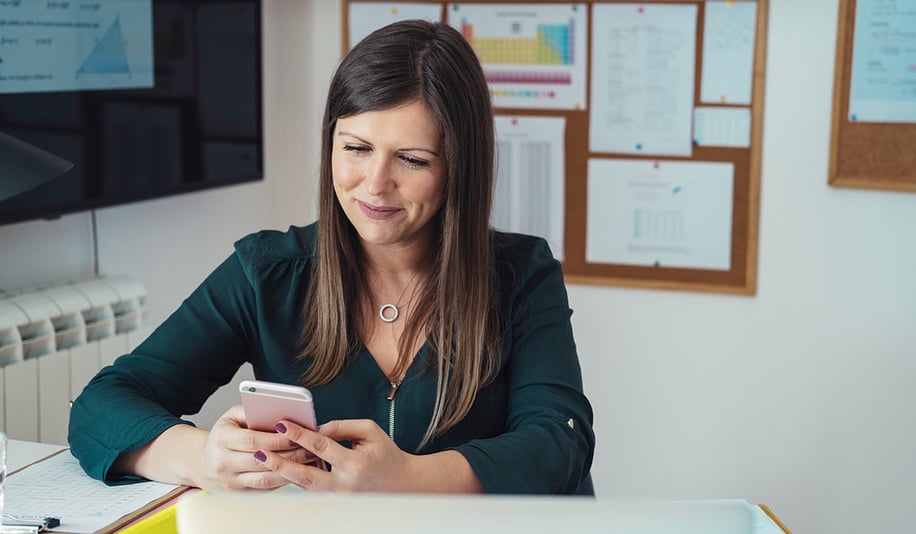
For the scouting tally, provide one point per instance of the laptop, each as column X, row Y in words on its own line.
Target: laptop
column 283, row 511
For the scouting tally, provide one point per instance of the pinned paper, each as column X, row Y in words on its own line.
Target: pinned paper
column 529, row 196
column 366, row 17
column 883, row 63
column 729, row 34
column 728, row 127
column 678, row 214
column 643, row 73
column 534, row 56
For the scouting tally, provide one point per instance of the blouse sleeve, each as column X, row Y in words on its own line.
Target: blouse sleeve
column 195, row 351
column 549, row 442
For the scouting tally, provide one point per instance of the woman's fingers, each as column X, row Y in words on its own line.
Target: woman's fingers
column 228, row 460
column 307, row 477
column 320, row 445
column 355, row 430
column 265, row 479
column 374, row 463
column 231, row 433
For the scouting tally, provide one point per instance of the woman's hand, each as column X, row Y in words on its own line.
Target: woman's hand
column 374, row 463
column 228, row 463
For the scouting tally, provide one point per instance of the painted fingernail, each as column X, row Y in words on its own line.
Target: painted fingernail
column 260, row 456
column 280, row 427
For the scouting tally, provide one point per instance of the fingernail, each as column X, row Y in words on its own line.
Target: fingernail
column 260, row 456
column 280, row 427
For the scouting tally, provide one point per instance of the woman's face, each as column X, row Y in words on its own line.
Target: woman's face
column 389, row 174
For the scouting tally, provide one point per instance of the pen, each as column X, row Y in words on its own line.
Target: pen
column 28, row 526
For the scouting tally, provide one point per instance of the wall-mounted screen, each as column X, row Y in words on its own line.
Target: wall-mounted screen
column 146, row 98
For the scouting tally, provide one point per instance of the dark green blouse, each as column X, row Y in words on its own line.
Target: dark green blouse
column 529, row 431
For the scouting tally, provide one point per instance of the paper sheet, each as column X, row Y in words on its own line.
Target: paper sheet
column 533, row 55
column 529, row 196
column 719, row 126
column 366, row 17
column 729, row 34
column 883, row 82
column 660, row 213
column 58, row 487
column 643, row 78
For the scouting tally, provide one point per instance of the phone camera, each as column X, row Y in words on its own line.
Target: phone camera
column 252, row 390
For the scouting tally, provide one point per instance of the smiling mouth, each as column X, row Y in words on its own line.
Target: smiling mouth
column 378, row 212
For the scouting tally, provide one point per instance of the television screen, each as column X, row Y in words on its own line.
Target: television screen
column 146, row 98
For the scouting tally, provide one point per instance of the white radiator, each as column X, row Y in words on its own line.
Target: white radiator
column 53, row 340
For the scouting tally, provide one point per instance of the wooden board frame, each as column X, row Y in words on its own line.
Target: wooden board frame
column 741, row 278
column 865, row 155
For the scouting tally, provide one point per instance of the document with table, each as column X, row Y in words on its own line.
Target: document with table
column 58, row 487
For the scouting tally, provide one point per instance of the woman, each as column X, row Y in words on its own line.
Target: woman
column 438, row 350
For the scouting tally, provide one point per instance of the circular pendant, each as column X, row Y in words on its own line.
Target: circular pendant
column 388, row 312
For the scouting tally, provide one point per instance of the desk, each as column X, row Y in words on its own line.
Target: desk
column 459, row 513
column 20, row 454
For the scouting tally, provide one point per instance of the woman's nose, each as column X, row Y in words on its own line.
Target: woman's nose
column 378, row 176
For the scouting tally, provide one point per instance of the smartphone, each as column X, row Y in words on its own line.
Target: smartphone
column 266, row 403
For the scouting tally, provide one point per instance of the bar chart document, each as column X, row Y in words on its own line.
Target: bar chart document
column 533, row 55
column 75, row 45
column 529, row 196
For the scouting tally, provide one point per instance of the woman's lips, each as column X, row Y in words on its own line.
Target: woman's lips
column 378, row 212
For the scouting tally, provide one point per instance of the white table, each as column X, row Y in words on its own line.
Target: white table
column 22, row 453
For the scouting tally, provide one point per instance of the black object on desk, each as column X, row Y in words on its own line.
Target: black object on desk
column 27, row 526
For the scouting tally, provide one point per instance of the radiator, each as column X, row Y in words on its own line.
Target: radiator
column 53, row 340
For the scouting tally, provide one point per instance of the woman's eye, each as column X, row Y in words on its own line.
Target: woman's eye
column 354, row 148
column 414, row 162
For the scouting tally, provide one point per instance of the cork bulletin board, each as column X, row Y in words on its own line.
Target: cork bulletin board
column 740, row 275
column 865, row 155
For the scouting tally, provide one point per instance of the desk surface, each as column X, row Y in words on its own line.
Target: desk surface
column 22, row 453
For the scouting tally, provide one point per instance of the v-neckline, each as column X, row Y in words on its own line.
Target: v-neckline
column 411, row 370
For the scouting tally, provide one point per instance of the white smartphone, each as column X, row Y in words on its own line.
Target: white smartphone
column 266, row 403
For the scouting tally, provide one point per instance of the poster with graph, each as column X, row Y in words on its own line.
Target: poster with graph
column 533, row 55
column 66, row 46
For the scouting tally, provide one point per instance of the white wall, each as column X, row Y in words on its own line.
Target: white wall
column 797, row 397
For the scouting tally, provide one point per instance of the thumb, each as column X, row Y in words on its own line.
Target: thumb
column 351, row 429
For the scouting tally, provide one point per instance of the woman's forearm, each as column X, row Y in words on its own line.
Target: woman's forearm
column 443, row 472
column 173, row 457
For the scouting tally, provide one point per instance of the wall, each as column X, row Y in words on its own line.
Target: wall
column 799, row 397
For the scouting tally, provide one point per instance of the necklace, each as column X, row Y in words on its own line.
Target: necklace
column 389, row 312
column 391, row 315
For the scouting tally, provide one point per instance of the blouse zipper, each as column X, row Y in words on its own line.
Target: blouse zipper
column 391, row 395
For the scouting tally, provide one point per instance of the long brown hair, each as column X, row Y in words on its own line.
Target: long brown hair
column 432, row 63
